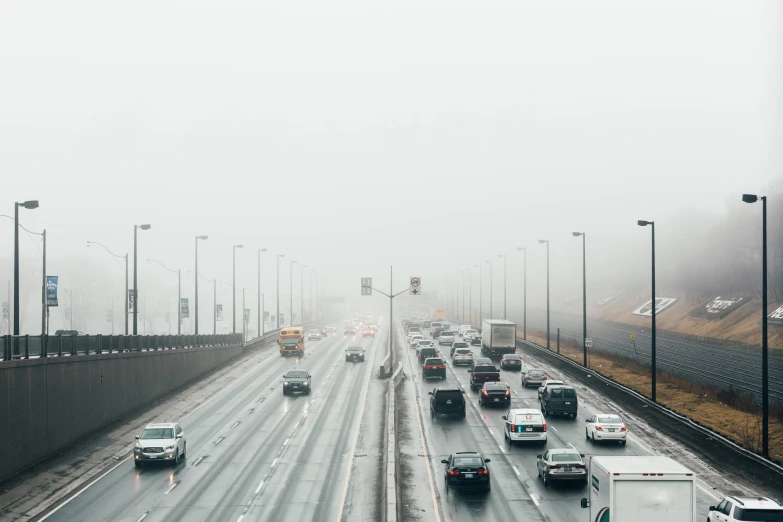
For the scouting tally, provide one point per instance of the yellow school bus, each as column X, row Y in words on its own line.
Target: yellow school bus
column 291, row 340
column 439, row 315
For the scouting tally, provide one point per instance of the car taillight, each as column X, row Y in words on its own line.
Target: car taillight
column 623, row 429
column 513, row 427
column 483, row 472
column 553, row 467
column 453, row 472
column 547, row 402
column 484, row 393
column 463, row 400
column 544, row 378
column 599, row 428
column 544, row 426
column 434, row 401
column 527, row 378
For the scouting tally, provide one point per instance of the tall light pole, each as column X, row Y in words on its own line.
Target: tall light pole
column 481, row 293
column 33, row 203
column 126, row 277
column 179, row 293
column 470, row 294
column 277, row 294
column 643, row 223
column 752, row 198
column 135, row 278
column 301, row 292
column 195, row 300
column 524, row 294
column 584, row 293
column 291, row 291
column 234, row 290
column 311, row 316
column 463, row 295
column 505, row 286
column 547, row 289
column 490, row 288
column 260, row 308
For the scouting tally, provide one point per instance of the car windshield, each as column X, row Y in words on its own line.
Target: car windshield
column 470, row 332
column 427, row 352
column 485, row 369
column 157, row 433
column 565, row 457
column 468, row 462
column 296, row 374
column 495, row 386
column 290, row 342
column 610, row 419
column 354, row 349
column 460, row 345
column 758, row 515
column 425, row 342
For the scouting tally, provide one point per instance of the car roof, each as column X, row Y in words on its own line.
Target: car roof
column 554, row 382
column 564, row 451
column 431, row 358
column 562, row 386
column 467, row 454
column 757, row 503
column 483, row 359
column 524, row 411
column 515, row 355
column 355, row 348
column 448, row 390
column 160, row 425
column 496, row 383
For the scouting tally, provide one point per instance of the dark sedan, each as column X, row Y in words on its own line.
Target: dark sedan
column 354, row 353
column 467, row 470
column 297, row 381
column 434, row 367
column 495, row 394
column 511, row 361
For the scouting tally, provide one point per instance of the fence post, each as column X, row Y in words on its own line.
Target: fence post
column 6, row 347
column 27, row 346
column 100, row 347
column 558, row 341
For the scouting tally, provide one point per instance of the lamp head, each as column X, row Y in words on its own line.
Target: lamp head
column 262, row 249
column 543, row 241
column 521, row 248
column 642, row 223
column 750, row 198
column 202, row 237
column 88, row 244
column 148, row 260
column 33, row 203
column 576, row 234
column 145, row 227
column 238, row 246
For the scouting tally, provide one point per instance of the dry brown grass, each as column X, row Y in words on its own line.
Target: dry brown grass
column 730, row 413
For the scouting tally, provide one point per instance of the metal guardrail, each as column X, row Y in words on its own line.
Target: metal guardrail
column 267, row 335
column 38, row 346
column 714, row 435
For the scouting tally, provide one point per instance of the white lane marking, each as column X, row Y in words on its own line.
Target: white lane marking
column 249, row 411
column 526, row 402
column 260, row 487
column 552, row 428
column 198, row 461
column 274, row 462
column 515, row 470
column 142, row 517
column 535, row 500
column 517, row 393
column 241, row 518
column 220, row 439
column 235, row 424
column 172, row 487
column 286, row 442
column 501, row 448
column 492, row 432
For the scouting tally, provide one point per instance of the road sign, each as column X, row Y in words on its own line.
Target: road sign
column 633, row 336
column 366, row 285
column 588, row 342
column 415, row 286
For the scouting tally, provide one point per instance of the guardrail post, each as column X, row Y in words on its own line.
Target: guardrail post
column 558, row 340
column 99, row 350
column 27, row 346
column 60, row 346
column 6, row 347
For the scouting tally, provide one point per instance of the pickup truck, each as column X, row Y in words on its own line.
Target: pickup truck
column 482, row 373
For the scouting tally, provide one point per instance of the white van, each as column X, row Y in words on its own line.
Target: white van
column 464, row 328
column 524, row 424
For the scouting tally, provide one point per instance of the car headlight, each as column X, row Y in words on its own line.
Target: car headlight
column 170, row 447
column 306, row 383
column 285, row 383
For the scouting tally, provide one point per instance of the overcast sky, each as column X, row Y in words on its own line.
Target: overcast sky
column 351, row 136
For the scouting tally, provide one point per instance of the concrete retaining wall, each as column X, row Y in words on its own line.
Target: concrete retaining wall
column 49, row 404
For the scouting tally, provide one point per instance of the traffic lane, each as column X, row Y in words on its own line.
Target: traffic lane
column 307, row 481
column 226, row 487
column 134, row 491
column 563, row 500
column 509, row 499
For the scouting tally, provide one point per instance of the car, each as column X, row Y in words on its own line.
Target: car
column 468, row 335
column 446, row 337
column 425, row 325
column 423, row 343
column 354, row 353
column 533, row 377
column 495, row 393
column 350, row 330
column 447, row 401
column 324, row 332
column 435, row 324
column 480, row 360
column 511, row 361
column 605, row 426
column 368, row 332
column 461, row 357
column 560, row 465
column 524, row 424
column 476, row 340
column 314, row 335
column 332, row 329
column 435, row 332
column 160, row 442
column 413, row 341
column 433, row 367
column 734, row 509
column 467, row 470
column 69, row 332
column 561, row 400
column 458, row 344
column 548, row 383
column 425, row 353
column 483, row 373
column 297, row 381
column 463, row 328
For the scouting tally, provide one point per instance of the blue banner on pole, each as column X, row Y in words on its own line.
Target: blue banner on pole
column 51, row 290
column 185, row 307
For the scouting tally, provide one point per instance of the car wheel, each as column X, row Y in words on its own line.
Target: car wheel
column 481, row 403
column 623, row 442
column 184, row 451
column 176, row 459
column 586, row 435
column 432, row 413
column 573, row 415
column 592, row 435
column 464, row 414
column 285, row 392
column 137, row 463
column 546, row 482
column 489, row 487
column 545, row 412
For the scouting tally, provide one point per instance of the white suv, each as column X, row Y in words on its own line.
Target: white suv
column 733, row 509
column 160, row 442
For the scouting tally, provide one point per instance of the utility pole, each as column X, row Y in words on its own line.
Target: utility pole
column 505, row 285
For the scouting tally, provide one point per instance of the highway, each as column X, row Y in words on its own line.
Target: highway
column 517, row 493
column 254, row 454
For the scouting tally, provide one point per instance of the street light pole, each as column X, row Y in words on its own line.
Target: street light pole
column 32, row 204
column 547, row 289
column 125, row 257
column 260, row 310
column 301, row 292
column 196, row 298
column 291, row 291
column 277, row 294
column 490, row 288
column 481, row 294
column 470, row 294
column 234, row 289
column 643, row 223
column 584, row 293
column 135, row 278
column 524, row 294
column 505, row 286
column 751, row 198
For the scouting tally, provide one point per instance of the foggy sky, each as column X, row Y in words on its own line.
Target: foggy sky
column 352, row 136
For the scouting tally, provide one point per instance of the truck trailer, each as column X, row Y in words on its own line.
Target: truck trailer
column 498, row 337
column 640, row 489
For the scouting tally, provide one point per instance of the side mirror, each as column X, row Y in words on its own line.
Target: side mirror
column 586, row 503
column 486, row 460
column 179, row 435
column 428, row 393
column 587, row 420
column 470, row 371
column 283, row 376
column 711, row 508
column 582, row 455
column 444, row 461
column 504, row 417
column 137, row 437
column 538, row 456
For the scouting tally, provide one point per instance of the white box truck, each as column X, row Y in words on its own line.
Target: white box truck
column 640, row 489
column 498, row 337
